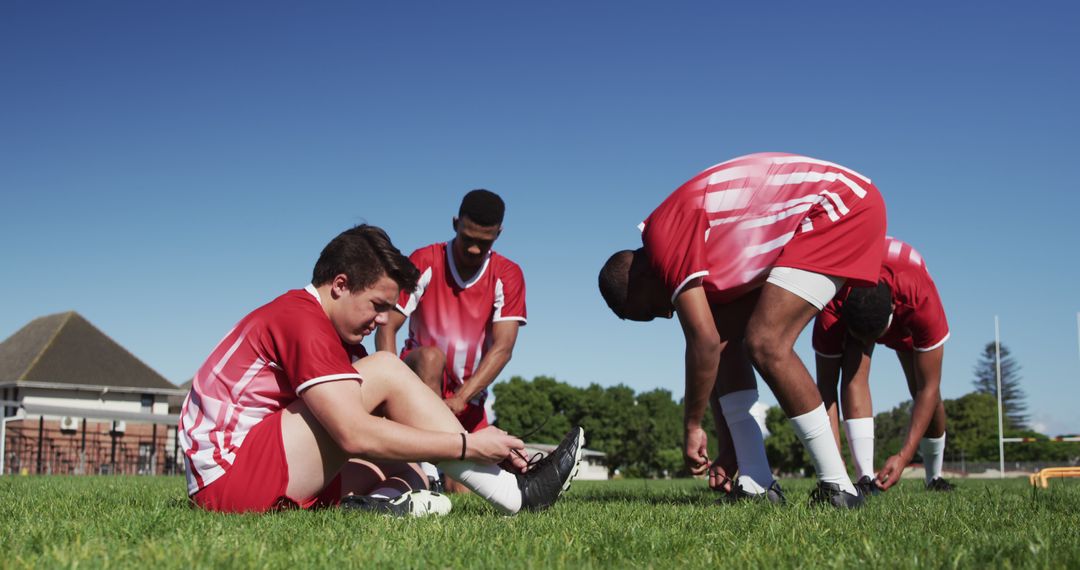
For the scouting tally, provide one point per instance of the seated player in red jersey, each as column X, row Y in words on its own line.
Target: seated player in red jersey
column 464, row 314
column 904, row 313
column 746, row 253
column 287, row 404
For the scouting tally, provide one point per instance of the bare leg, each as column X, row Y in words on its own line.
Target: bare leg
column 770, row 338
column 428, row 362
column 314, row 458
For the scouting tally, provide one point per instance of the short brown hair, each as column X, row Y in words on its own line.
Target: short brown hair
column 364, row 254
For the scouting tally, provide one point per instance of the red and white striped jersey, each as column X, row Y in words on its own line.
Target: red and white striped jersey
column 918, row 321
column 456, row 315
column 730, row 223
column 260, row 367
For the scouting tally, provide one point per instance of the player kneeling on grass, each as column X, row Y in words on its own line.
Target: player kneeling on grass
column 746, row 253
column 288, row 402
column 904, row 313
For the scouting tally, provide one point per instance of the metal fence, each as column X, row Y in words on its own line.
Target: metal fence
column 31, row 447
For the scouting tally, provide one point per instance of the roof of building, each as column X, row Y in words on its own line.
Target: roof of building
column 66, row 349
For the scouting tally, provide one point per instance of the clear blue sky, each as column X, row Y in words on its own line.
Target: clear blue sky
column 165, row 167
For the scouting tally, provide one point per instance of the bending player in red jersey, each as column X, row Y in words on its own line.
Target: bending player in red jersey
column 287, row 403
column 746, row 253
column 904, row 313
column 464, row 314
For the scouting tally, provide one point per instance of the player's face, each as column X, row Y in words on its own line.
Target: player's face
column 646, row 299
column 358, row 313
column 472, row 243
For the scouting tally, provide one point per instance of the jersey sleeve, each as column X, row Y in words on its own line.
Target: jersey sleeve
column 674, row 239
column 928, row 326
column 510, row 295
column 311, row 355
column 408, row 300
column 829, row 330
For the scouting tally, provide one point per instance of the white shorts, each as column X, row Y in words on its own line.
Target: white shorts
column 814, row 288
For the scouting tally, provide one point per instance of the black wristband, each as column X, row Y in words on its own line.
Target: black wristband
column 463, row 447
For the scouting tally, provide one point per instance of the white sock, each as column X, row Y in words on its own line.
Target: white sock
column 386, row 493
column 932, row 450
column 490, row 482
column 860, row 437
column 429, row 470
column 755, row 476
column 815, row 432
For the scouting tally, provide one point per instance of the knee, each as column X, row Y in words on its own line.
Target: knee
column 381, row 362
column 764, row 347
column 428, row 358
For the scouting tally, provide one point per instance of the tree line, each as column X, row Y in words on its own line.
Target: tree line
column 641, row 434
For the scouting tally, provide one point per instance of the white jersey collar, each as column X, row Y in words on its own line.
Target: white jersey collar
column 454, row 271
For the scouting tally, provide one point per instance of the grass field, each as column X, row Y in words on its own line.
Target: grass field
column 50, row 522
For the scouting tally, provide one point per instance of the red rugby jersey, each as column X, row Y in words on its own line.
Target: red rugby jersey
column 918, row 321
column 260, row 367
column 730, row 223
column 456, row 315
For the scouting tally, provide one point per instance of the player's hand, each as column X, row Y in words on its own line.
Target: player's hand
column 455, row 404
column 719, row 479
column 493, row 445
column 890, row 472
column 721, row 470
column 694, row 450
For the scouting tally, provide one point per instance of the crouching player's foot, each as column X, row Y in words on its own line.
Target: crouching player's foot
column 939, row 484
column 550, row 477
column 774, row 494
column 833, row 495
column 412, row 504
column 867, row 485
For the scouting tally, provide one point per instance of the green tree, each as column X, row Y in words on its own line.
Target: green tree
column 972, row 427
column 1012, row 395
column 785, row 452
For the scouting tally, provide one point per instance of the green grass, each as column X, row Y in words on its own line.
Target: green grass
column 48, row 522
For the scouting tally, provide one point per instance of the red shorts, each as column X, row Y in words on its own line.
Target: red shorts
column 473, row 418
column 850, row 247
column 259, row 476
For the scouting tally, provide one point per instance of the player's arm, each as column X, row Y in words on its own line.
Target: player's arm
column 340, row 408
column 386, row 335
column 504, row 336
column 703, row 346
column 927, row 384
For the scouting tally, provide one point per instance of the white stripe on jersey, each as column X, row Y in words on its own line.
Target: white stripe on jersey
column 414, row 299
column 225, row 359
column 728, row 200
column 249, row 374
column 807, row 160
column 500, row 300
column 729, row 174
column 915, row 257
column 769, row 220
column 768, row 246
column 460, row 355
column 327, row 378
column 801, row 177
column 894, row 249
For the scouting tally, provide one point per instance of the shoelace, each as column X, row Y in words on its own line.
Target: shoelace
column 538, row 456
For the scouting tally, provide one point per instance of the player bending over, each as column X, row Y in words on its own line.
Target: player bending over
column 287, row 402
column 746, row 253
column 904, row 313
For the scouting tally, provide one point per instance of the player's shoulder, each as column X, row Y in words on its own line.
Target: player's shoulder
column 428, row 255
column 503, row 265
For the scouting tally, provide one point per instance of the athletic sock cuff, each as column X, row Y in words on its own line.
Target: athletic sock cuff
column 859, row 428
